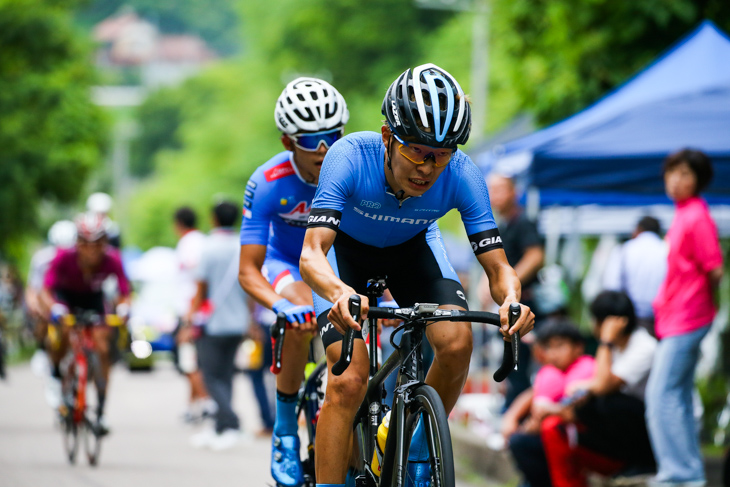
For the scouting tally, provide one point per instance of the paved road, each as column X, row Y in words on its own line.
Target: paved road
column 148, row 445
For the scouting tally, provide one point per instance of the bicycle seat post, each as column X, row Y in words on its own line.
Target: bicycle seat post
column 375, row 289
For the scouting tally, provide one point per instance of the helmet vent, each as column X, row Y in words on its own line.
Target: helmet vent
column 439, row 83
column 426, row 98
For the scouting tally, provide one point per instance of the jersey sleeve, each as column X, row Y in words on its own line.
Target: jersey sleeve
column 51, row 278
column 476, row 212
column 705, row 247
column 257, row 211
column 336, row 184
column 118, row 270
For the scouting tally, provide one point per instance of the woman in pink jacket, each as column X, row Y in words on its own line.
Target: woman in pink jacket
column 684, row 309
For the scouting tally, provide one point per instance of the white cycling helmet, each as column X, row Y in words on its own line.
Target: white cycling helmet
column 310, row 105
column 99, row 203
column 91, row 226
column 62, row 234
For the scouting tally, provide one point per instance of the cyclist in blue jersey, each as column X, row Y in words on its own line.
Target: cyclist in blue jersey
column 311, row 114
column 374, row 214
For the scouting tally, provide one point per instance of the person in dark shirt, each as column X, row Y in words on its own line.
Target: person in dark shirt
column 524, row 248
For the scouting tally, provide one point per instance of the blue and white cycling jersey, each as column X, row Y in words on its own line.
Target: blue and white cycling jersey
column 353, row 195
column 275, row 211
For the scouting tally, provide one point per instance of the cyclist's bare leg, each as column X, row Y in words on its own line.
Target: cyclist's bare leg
column 342, row 398
column 101, row 336
column 197, row 386
column 296, row 343
column 452, row 346
column 59, row 346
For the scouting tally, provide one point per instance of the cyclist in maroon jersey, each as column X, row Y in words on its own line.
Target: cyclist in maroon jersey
column 74, row 281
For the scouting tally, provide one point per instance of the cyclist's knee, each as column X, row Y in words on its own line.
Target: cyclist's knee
column 347, row 390
column 457, row 350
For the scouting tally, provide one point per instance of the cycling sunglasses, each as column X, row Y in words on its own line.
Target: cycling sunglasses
column 311, row 142
column 417, row 155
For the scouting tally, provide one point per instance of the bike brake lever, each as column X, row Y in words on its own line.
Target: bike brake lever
column 277, row 335
column 349, row 339
column 510, row 360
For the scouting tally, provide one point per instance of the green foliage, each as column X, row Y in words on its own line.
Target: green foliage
column 159, row 118
column 361, row 45
column 214, row 20
column 51, row 133
column 562, row 55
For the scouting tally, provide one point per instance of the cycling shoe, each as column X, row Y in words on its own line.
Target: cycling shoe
column 419, row 474
column 286, row 467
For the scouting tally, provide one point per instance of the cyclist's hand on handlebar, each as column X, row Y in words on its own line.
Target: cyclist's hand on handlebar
column 340, row 316
column 58, row 312
column 301, row 317
column 525, row 323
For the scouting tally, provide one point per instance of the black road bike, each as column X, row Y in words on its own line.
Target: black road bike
column 414, row 400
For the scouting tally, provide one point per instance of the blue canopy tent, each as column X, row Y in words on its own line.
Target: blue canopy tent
column 610, row 154
column 654, row 113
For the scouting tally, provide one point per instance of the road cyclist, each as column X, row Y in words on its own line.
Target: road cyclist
column 374, row 213
column 311, row 115
column 74, row 282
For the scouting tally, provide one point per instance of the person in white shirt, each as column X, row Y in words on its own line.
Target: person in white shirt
column 638, row 268
column 188, row 251
column 610, row 433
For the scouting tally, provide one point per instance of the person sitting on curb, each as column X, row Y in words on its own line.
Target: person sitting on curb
column 559, row 346
column 602, row 429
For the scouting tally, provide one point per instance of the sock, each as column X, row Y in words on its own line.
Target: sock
column 286, row 415
column 350, row 479
column 419, row 448
column 102, row 400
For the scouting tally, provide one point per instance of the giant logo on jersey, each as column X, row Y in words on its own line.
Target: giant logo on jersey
column 279, row 171
column 298, row 216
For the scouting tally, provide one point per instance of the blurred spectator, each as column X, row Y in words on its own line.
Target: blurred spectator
column 684, row 310
column 559, row 346
column 188, row 251
column 638, row 268
column 61, row 235
column 525, row 254
column 223, row 325
column 602, row 427
column 260, row 331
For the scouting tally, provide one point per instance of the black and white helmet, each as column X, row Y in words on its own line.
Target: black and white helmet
column 310, row 105
column 426, row 105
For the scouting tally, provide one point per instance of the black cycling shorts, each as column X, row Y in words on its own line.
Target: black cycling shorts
column 86, row 301
column 416, row 271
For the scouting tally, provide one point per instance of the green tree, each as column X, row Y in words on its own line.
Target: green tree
column 51, row 134
column 559, row 56
column 159, row 119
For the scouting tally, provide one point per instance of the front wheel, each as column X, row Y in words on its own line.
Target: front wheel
column 426, row 406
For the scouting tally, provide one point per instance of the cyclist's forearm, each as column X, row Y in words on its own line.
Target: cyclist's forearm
column 506, row 286
column 250, row 263
column 256, row 286
column 318, row 274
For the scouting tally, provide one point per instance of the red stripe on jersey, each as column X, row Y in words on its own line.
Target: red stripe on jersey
column 279, row 171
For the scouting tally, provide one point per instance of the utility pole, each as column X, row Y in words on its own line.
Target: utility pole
column 479, row 90
column 479, row 69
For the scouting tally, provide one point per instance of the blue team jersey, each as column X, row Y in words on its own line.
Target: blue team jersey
column 276, row 207
column 353, row 195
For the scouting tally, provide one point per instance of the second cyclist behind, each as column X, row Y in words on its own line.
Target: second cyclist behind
column 311, row 115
